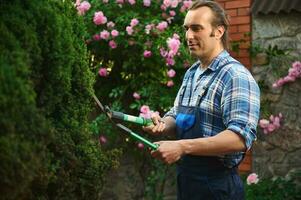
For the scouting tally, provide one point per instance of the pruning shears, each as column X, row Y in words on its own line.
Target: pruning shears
column 121, row 116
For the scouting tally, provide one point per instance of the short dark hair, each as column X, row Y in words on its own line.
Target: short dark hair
column 220, row 17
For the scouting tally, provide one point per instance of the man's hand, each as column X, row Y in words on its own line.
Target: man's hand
column 158, row 126
column 168, row 151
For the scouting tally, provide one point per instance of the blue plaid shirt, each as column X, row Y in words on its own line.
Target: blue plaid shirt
column 232, row 102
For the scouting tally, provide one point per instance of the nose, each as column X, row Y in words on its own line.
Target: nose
column 189, row 34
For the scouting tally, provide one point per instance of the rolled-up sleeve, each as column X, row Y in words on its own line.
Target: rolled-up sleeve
column 241, row 105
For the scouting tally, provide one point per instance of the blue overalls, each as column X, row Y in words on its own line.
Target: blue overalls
column 203, row 177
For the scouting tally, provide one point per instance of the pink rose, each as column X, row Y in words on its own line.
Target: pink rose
column 102, row 139
column 114, row 33
column 104, row 34
column 172, row 13
column 170, row 83
column 83, row 7
column 252, row 179
column 132, row 2
column 96, row 37
column 263, row 123
column 162, row 26
column 120, row 1
column 110, row 24
column 171, row 73
column 147, row 3
column 134, row 22
column 136, row 95
column 103, row 72
column 129, row 30
column 112, row 44
column 147, row 54
column 140, row 145
column 144, row 109
column 99, row 18
column 174, row 3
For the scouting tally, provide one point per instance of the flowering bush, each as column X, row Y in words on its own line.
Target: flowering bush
column 272, row 124
column 293, row 73
column 138, row 47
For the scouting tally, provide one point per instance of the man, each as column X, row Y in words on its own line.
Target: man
column 215, row 113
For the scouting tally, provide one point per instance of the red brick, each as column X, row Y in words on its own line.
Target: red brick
column 238, row 4
column 232, row 12
column 239, row 37
column 243, row 53
column 240, row 20
column 244, row 28
column 233, row 29
column 244, row 45
column 243, row 11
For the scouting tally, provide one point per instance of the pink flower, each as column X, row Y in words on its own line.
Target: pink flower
column 147, row 54
column 252, row 179
column 170, row 83
column 110, row 24
column 162, row 26
column 147, row 3
column 134, row 22
column 172, row 13
column 167, row 3
column 148, row 28
column 132, row 2
column 104, row 34
column 99, row 18
column 129, row 30
column 170, row 61
column 174, row 45
column 77, row 3
column 114, row 33
column 187, row 4
column 171, row 73
column 103, row 72
column 163, row 7
column 105, row 1
column 174, row 3
column 140, row 145
column 144, row 109
column 263, row 123
column 102, row 139
column 83, row 7
column 112, row 44
column 136, row 95
column 272, row 124
column 96, row 37
column 119, row 1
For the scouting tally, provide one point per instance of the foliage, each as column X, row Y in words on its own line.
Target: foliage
column 47, row 149
column 279, row 188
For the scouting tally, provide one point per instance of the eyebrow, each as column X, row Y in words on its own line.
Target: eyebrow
column 193, row 26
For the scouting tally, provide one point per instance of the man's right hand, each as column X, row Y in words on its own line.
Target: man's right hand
column 158, row 126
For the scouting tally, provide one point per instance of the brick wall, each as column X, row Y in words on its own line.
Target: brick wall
column 240, row 28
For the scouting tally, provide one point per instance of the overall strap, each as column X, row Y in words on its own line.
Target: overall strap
column 205, row 88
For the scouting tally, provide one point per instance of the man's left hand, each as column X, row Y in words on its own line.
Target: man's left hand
column 168, row 151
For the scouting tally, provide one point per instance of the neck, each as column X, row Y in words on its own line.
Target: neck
column 206, row 60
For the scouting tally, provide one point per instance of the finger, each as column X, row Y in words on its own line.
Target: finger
column 155, row 118
column 161, row 127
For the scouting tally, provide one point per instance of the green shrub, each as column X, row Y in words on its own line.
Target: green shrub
column 47, row 148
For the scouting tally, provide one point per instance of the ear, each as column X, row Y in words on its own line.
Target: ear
column 219, row 32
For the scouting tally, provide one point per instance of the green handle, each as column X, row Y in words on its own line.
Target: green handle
column 130, row 118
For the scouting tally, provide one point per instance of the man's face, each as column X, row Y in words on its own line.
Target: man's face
column 199, row 32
